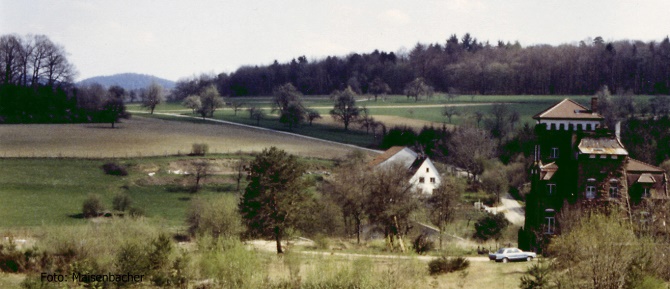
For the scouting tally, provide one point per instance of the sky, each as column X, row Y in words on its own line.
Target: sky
column 179, row 39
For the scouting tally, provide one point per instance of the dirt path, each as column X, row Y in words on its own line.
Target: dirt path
column 270, row 246
column 261, row 129
column 418, row 106
column 513, row 211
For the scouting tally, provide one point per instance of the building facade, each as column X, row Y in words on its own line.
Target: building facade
column 424, row 176
column 579, row 161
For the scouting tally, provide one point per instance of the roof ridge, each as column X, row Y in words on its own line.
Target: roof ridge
column 551, row 108
column 653, row 166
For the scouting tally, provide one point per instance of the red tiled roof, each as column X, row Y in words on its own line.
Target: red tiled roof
column 638, row 166
column 385, row 156
column 568, row 109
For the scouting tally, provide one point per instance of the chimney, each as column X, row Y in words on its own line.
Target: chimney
column 594, row 104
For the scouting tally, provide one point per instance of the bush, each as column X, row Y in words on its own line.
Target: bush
column 136, row 212
column 422, row 245
column 199, row 149
column 445, row 265
column 121, row 202
column 216, row 217
column 490, row 226
column 92, row 206
column 114, row 169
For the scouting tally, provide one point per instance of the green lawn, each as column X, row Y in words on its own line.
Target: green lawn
column 50, row 191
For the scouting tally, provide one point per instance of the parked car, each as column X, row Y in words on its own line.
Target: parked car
column 511, row 254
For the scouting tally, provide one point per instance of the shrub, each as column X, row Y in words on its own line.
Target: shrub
column 445, row 265
column 490, row 226
column 230, row 264
column 114, row 169
column 423, row 245
column 199, row 149
column 92, row 206
column 121, row 202
column 216, row 217
column 136, row 212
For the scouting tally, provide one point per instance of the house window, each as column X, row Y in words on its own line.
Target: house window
column 551, row 225
column 580, row 127
column 614, row 188
column 554, row 153
column 590, row 192
column 422, row 180
column 432, row 180
column 551, row 188
column 553, row 126
column 646, row 192
column 427, row 169
column 614, row 157
column 603, row 156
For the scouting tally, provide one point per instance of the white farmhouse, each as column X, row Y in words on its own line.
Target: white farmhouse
column 425, row 177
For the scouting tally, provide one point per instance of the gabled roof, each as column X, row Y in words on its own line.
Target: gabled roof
column 568, row 109
column 386, row 155
column 416, row 164
column 638, row 166
column 601, row 146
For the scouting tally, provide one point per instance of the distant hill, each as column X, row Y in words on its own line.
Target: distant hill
column 129, row 81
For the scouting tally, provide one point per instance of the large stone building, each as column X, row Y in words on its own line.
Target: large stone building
column 579, row 161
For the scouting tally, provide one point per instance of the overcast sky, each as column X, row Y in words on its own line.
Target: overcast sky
column 176, row 39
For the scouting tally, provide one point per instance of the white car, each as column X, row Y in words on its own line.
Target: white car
column 511, row 254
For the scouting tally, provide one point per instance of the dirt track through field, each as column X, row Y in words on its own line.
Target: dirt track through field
column 141, row 136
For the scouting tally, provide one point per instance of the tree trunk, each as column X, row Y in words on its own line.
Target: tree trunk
column 358, row 230
column 402, row 245
column 278, row 240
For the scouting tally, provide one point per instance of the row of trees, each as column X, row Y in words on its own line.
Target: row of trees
column 466, row 66
column 33, row 60
column 276, row 196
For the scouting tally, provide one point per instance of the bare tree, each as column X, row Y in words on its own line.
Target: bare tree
column 240, row 167
column 418, row 88
column 449, row 112
column 469, row 149
column 350, row 188
column 345, row 109
column 152, row 97
column 200, row 171
column 378, row 87
column 366, row 121
column 443, row 202
column 312, row 115
column 257, row 114
column 391, row 201
column 237, row 106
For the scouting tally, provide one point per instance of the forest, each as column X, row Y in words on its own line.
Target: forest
column 465, row 66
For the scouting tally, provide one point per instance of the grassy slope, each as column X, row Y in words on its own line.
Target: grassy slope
column 37, row 191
